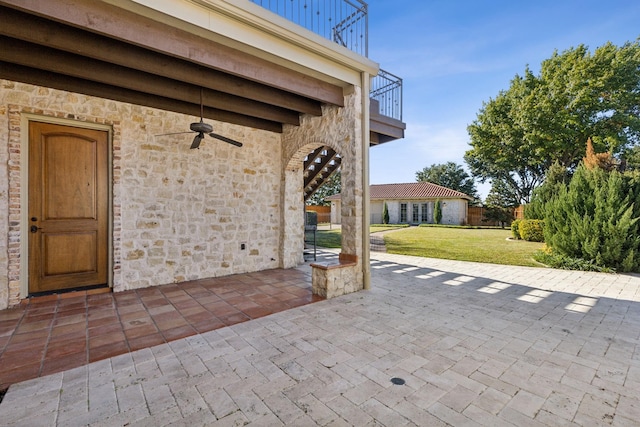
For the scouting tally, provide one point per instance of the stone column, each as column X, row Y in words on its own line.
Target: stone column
column 292, row 228
column 341, row 129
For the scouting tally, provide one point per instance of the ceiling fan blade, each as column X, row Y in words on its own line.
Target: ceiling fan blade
column 196, row 141
column 225, row 139
column 174, row 133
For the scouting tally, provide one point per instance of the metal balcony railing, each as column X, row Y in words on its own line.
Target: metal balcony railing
column 345, row 22
column 386, row 88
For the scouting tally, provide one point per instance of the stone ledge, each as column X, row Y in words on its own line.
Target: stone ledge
column 332, row 279
column 344, row 260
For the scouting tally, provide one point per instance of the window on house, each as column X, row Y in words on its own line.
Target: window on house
column 416, row 213
column 403, row 212
column 425, row 213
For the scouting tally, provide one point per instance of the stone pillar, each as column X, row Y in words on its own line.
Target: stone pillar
column 341, row 129
column 292, row 229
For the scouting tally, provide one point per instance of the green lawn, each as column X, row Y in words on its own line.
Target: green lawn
column 463, row 244
column 480, row 245
column 331, row 238
column 328, row 238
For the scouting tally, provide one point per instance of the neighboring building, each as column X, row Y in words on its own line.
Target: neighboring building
column 101, row 188
column 411, row 203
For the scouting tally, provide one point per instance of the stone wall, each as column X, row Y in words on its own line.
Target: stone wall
column 178, row 214
column 4, row 198
column 339, row 128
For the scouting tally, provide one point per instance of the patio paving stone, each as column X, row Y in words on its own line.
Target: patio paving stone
column 476, row 344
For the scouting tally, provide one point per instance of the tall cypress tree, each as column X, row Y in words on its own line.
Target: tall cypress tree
column 437, row 212
column 385, row 214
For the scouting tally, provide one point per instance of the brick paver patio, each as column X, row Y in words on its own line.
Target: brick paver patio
column 53, row 333
column 476, row 344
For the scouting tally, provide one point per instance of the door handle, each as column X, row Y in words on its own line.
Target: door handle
column 35, row 228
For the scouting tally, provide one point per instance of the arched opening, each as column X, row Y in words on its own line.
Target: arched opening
column 307, row 168
column 337, row 129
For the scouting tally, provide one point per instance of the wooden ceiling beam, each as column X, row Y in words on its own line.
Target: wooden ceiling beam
column 34, row 56
column 311, row 157
column 19, row 25
column 319, row 167
column 38, row 77
column 114, row 22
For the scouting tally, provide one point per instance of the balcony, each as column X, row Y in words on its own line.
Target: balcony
column 346, row 22
column 342, row 21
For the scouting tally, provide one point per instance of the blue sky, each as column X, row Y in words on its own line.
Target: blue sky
column 455, row 55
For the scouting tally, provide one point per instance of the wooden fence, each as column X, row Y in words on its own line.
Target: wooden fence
column 475, row 215
column 324, row 213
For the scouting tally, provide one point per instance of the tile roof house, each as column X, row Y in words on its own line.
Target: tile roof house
column 101, row 101
column 411, row 203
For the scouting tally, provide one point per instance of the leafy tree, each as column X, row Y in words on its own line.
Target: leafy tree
column 548, row 117
column 499, row 204
column 385, row 214
column 500, row 196
column 331, row 186
column 631, row 159
column 437, row 212
column 501, row 215
column 450, row 175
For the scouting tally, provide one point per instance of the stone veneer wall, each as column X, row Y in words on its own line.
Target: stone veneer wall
column 178, row 214
column 339, row 128
column 4, row 198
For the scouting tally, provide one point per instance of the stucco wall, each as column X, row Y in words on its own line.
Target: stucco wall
column 454, row 211
column 394, row 211
column 376, row 209
column 178, row 214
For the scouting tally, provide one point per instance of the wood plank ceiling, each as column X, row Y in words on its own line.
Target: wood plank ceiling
column 94, row 48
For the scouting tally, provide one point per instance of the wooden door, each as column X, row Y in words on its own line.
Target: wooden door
column 68, row 207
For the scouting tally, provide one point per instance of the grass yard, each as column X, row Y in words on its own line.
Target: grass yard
column 332, row 238
column 329, row 238
column 480, row 245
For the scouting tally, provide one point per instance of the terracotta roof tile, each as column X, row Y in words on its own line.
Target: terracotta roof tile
column 410, row 191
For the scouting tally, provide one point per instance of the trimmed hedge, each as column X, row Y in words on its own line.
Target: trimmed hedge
column 532, row 230
column 515, row 229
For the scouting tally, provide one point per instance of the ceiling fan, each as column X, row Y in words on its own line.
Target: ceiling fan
column 201, row 128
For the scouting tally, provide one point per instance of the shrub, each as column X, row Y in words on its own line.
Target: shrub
column 515, row 229
column 555, row 260
column 437, row 212
column 595, row 218
column 532, row 230
column 556, row 177
column 385, row 214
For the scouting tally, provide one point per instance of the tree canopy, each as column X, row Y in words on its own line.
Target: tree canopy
column 548, row 117
column 450, row 175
